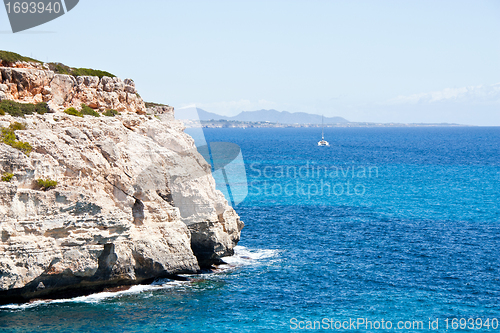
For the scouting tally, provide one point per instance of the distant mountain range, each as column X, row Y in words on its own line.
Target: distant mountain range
column 273, row 116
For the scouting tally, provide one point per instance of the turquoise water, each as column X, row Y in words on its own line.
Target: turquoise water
column 411, row 235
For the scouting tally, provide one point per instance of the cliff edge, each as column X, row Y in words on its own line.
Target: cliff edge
column 129, row 198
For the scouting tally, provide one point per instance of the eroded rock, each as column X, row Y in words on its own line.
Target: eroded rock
column 34, row 85
column 134, row 201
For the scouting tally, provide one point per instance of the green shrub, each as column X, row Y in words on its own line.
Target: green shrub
column 16, row 109
column 25, row 147
column 6, row 177
column 151, row 104
column 11, row 108
column 73, row 112
column 9, row 138
column 90, row 72
column 111, row 113
column 59, row 68
column 2, row 112
column 11, row 57
column 17, row 126
column 89, row 111
column 41, row 108
column 46, row 184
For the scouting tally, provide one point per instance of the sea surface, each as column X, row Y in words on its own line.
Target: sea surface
column 398, row 225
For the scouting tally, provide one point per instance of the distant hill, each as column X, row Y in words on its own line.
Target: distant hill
column 283, row 117
column 205, row 115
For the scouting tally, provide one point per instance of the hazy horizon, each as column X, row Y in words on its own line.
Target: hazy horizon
column 309, row 113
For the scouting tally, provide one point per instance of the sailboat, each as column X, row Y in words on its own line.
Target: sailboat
column 323, row 142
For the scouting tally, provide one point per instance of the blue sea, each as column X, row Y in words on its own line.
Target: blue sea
column 387, row 225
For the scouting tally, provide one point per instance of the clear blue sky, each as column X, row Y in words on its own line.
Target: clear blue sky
column 382, row 61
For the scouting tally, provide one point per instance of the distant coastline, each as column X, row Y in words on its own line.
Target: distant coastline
column 267, row 124
column 196, row 117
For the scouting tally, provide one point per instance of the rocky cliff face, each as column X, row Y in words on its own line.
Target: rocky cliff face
column 34, row 85
column 134, row 200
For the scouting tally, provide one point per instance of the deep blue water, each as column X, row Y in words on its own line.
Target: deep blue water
column 413, row 234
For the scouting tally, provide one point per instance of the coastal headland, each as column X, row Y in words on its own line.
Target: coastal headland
column 99, row 189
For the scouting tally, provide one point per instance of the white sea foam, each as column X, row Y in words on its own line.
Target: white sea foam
column 98, row 297
column 242, row 257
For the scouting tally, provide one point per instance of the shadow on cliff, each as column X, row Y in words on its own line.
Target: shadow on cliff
column 62, row 285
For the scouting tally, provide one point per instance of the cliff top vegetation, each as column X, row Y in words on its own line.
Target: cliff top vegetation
column 8, row 58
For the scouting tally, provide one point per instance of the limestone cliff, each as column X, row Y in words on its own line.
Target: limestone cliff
column 34, row 85
column 134, row 200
